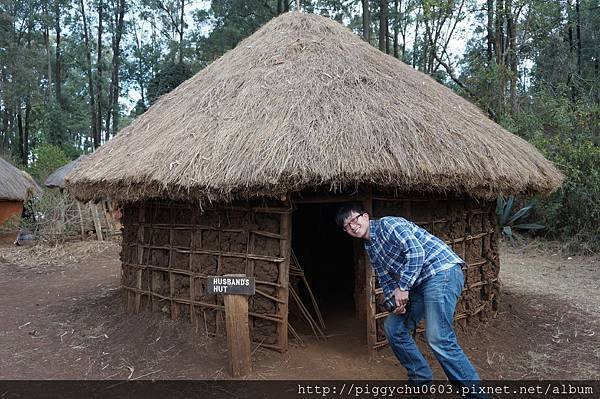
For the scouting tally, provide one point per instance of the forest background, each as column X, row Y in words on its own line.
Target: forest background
column 74, row 72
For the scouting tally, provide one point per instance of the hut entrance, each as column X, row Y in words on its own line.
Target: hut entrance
column 327, row 256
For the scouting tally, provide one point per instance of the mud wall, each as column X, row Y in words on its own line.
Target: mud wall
column 10, row 214
column 466, row 225
column 169, row 249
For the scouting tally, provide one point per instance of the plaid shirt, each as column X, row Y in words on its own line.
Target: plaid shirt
column 404, row 254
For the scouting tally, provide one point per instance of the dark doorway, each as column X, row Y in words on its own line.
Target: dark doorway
column 326, row 254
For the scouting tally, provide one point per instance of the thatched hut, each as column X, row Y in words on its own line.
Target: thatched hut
column 56, row 179
column 248, row 159
column 16, row 187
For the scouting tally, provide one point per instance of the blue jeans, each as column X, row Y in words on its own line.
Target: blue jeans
column 435, row 300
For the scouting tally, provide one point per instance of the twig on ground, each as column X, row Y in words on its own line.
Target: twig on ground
column 145, row 375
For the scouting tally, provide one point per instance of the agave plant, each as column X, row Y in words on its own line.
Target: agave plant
column 509, row 221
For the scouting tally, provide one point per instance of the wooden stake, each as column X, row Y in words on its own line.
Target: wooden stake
column 238, row 334
column 97, row 224
column 81, row 221
column 296, row 265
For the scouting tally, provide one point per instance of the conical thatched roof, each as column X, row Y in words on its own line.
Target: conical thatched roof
column 15, row 184
column 57, row 178
column 304, row 102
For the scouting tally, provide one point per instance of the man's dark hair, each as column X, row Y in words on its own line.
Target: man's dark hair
column 346, row 210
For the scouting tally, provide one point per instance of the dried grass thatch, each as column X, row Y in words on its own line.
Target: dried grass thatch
column 57, row 178
column 16, row 185
column 305, row 102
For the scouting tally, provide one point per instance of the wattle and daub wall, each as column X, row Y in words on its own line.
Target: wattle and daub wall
column 170, row 248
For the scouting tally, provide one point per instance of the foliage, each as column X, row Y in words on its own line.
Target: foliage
column 573, row 212
column 171, row 76
column 509, row 221
column 230, row 22
column 48, row 158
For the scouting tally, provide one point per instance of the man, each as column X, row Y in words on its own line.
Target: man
column 411, row 263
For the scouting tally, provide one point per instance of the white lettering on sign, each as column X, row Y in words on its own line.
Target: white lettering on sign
column 230, row 285
column 232, row 281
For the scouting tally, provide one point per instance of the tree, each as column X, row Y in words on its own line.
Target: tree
column 117, row 25
column 383, row 27
column 232, row 21
column 171, row 76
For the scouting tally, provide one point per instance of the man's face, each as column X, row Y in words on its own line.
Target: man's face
column 357, row 225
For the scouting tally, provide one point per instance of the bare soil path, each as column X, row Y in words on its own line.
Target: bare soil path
column 61, row 317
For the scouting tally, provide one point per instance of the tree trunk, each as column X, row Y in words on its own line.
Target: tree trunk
column 427, row 41
column 578, row 31
column 416, row 40
column 26, row 131
column 139, row 72
column 21, row 136
column 366, row 21
column 383, row 26
column 109, row 102
column 48, row 54
column 499, row 46
column 490, row 30
column 98, row 140
column 181, row 27
column 57, row 68
column 512, row 55
column 396, row 29
column 114, row 83
column 88, row 58
column 5, row 132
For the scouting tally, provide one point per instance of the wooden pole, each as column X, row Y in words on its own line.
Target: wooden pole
column 81, row 221
column 371, row 310
column 97, row 224
column 238, row 334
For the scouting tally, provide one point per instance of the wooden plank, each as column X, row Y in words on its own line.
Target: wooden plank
column 370, row 294
column 238, row 334
column 193, row 317
column 96, row 218
column 251, row 263
column 140, row 254
column 285, row 229
column 107, row 220
column 174, row 305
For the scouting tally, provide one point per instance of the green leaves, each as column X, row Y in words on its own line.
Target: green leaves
column 509, row 221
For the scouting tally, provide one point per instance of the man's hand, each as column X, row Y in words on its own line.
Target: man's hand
column 401, row 301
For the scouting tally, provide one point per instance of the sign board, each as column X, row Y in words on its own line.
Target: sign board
column 230, row 284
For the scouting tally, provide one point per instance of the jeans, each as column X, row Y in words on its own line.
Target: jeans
column 435, row 300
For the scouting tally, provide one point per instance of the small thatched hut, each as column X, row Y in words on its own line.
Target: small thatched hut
column 57, row 178
column 249, row 158
column 16, row 187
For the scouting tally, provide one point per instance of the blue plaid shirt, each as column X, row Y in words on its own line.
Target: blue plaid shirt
column 404, row 254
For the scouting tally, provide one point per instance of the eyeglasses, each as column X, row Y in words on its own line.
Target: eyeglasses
column 352, row 221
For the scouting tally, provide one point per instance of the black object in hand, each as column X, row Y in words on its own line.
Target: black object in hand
column 390, row 304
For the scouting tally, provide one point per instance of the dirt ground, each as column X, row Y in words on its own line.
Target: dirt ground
column 62, row 317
